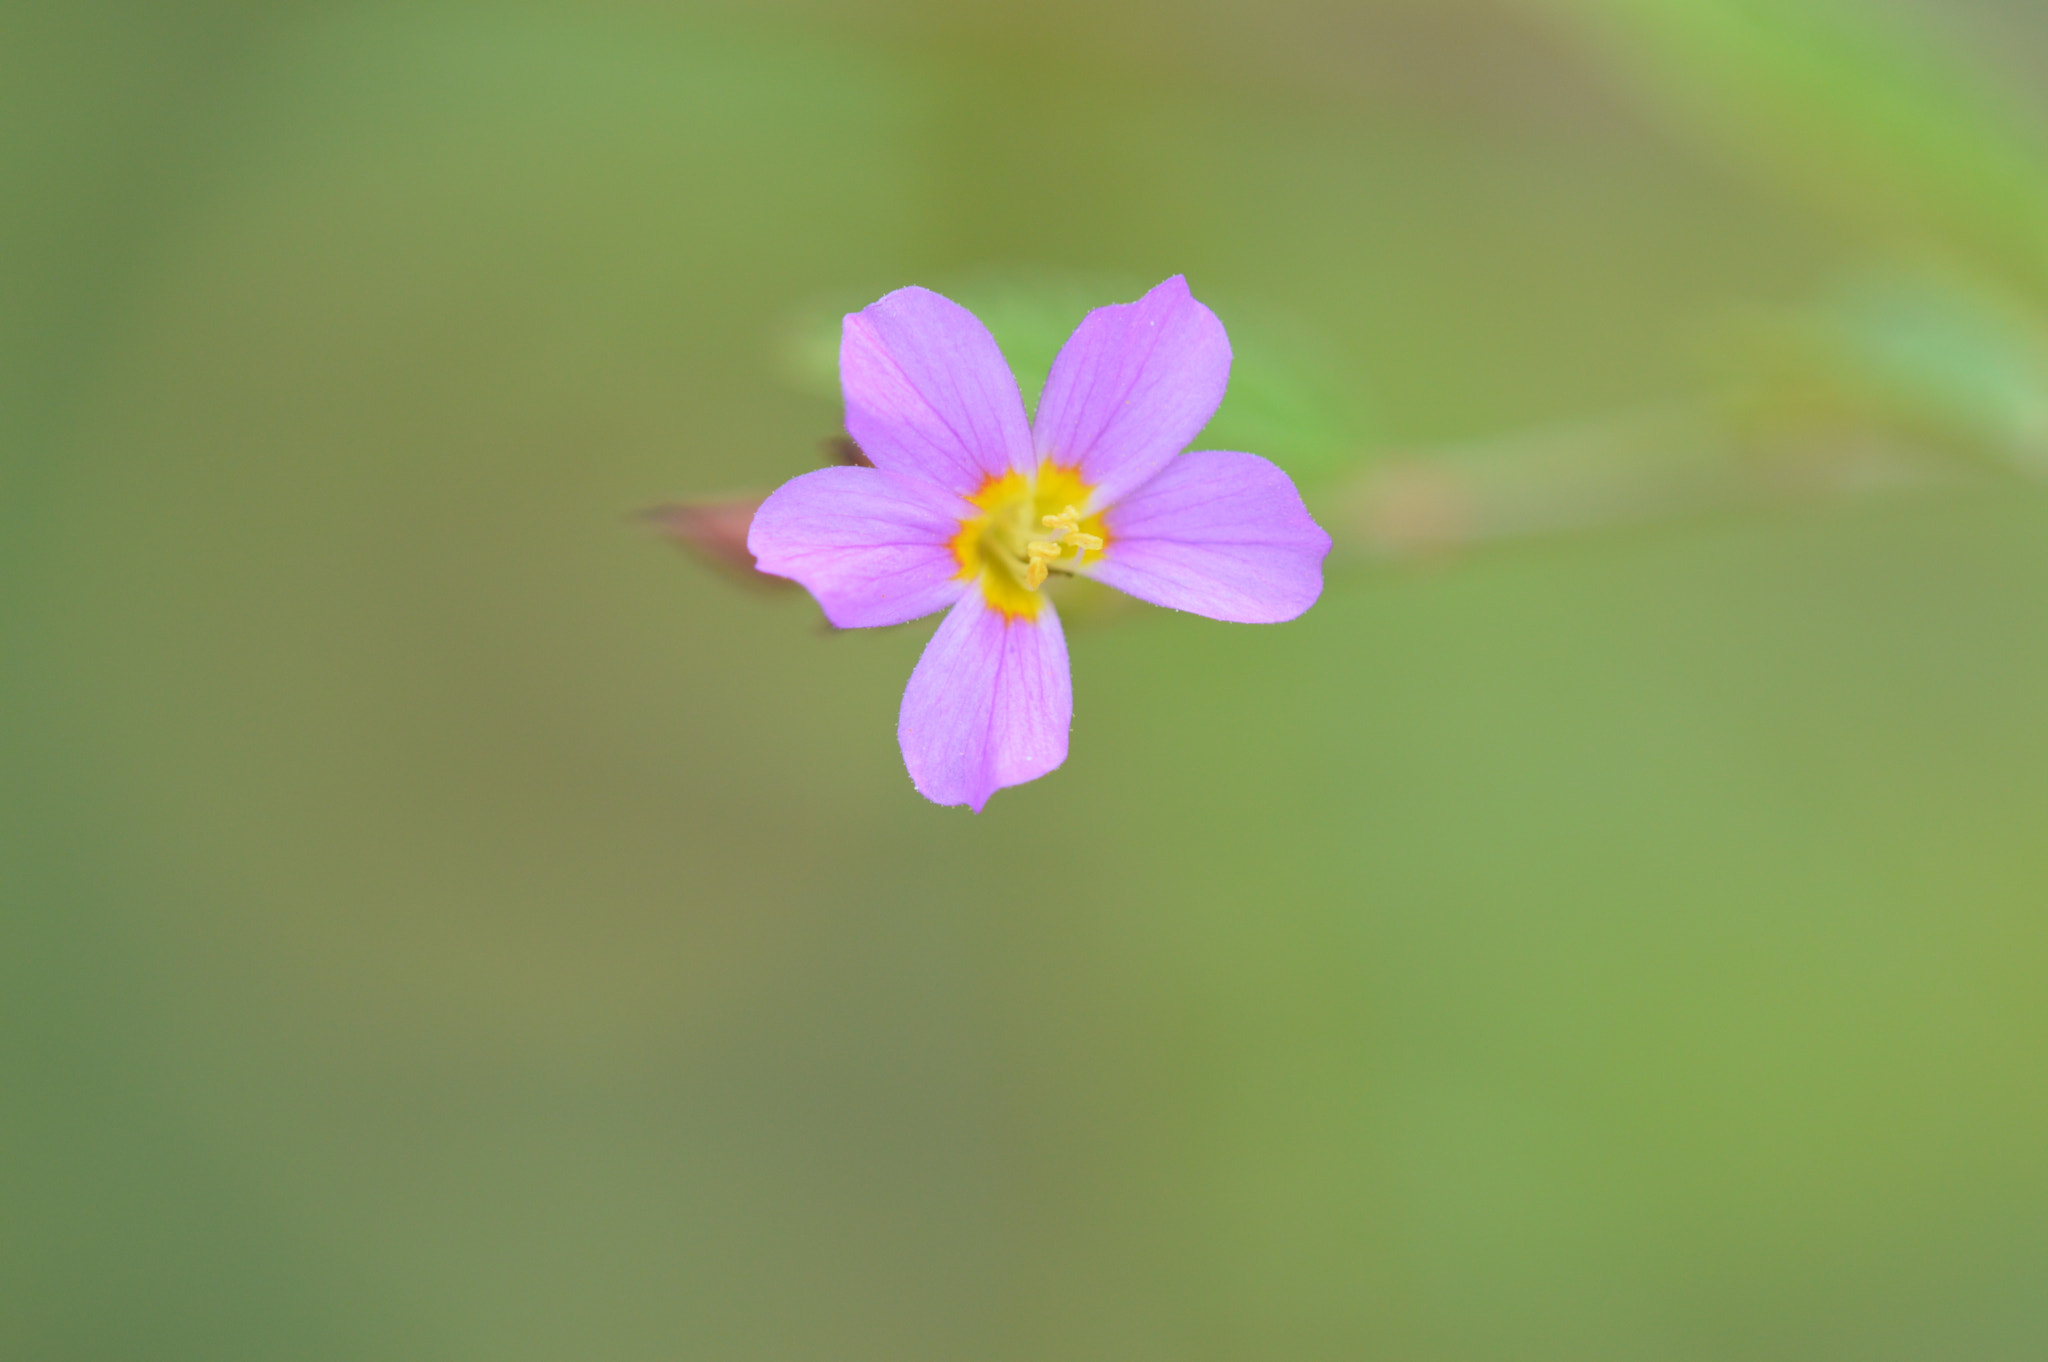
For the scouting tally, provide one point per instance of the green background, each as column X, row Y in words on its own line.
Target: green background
column 440, row 921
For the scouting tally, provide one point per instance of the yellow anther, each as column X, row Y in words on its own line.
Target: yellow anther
column 1066, row 521
column 1041, row 552
column 1091, row 542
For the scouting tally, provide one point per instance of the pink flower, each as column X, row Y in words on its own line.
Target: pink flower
column 970, row 508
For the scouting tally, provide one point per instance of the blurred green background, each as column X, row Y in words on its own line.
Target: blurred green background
column 441, row 921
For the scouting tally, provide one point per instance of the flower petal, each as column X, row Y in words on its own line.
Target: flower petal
column 1132, row 386
column 929, row 394
column 1220, row 534
column 873, row 547
column 989, row 704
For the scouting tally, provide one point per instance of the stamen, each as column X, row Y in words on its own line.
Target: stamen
column 1068, row 523
column 1041, row 552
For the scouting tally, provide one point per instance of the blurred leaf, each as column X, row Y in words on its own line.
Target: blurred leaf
column 1946, row 361
column 1288, row 399
column 1031, row 314
column 1879, row 115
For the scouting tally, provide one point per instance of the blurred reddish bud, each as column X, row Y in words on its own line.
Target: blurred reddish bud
column 714, row 529
column 841, row 449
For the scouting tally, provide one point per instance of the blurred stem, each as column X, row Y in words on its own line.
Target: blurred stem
column 1629, row 471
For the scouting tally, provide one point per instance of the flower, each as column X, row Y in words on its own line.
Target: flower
column 970, row 508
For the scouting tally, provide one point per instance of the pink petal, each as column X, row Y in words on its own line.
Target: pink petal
column 989, row 704
column 929, row 394
column 873, row 547
column 1220, row 534
column 1131, row 387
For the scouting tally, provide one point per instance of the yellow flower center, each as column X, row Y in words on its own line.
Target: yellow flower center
column 1023, row 533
